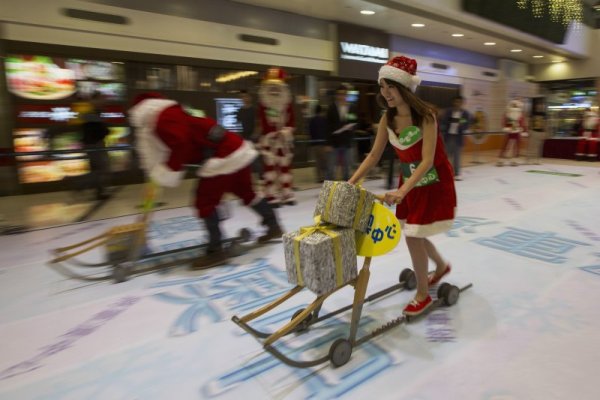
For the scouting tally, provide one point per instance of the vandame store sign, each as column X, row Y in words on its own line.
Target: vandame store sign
column 363, row 52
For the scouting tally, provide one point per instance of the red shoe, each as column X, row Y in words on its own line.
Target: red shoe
column 433, row 278
column 417, row 307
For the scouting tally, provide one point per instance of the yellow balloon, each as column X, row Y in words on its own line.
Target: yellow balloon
column 383, row 233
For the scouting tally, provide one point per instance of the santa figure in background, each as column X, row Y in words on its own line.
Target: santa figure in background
column 514, row 126
column 168, row 138
column 276, row 141
column 587, row 146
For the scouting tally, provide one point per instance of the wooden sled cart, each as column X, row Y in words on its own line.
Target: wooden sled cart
column 381, row 219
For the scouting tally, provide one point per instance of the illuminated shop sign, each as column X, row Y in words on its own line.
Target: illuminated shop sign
column 45, row 114
column 363, row 52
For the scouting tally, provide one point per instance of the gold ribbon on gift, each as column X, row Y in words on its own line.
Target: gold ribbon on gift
column 337, row 249
column 359, row 206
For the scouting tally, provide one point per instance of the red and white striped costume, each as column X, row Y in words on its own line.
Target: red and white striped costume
column 276, row 142
column 514, row 126
column 587, row 146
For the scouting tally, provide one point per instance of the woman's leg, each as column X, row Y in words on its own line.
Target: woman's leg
column 432, row 253
column 418, row 255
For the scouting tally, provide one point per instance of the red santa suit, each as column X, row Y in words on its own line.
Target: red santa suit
column 514, row 126
column 276, row 142
column 587, row 146
column 167, row 138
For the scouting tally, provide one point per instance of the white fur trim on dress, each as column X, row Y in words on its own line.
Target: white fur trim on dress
column 240, row 158
column 423, row 231
column 165, row 176
column 398, row 75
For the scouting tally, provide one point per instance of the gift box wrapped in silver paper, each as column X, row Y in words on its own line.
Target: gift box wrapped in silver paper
column 344, row 204
column 320, row 258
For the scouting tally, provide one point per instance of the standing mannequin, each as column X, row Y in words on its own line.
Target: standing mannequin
column 276, row 141
column 514, row 126
column 587, row 146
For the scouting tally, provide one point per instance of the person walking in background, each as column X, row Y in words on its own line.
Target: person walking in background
column 454, row 124
column 93, row 132
column 317, row 129
column 426, row 197
column 341, row 120
column 537, row 133
column 246, row 116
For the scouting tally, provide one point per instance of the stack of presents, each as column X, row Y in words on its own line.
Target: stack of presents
column 322, row 257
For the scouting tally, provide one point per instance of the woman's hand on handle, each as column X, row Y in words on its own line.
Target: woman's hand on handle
column 394, row 197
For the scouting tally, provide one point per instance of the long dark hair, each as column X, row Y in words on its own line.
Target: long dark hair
column 420, row 110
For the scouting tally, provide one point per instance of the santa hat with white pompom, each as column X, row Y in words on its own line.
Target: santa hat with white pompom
column 402, row 70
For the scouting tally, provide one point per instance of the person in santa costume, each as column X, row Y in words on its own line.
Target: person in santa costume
column 514, row 126
column 587, row 146
column 276, row 141
column 167, row 138
column 426, row 197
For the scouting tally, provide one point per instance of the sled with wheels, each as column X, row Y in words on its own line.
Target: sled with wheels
column 303, row 319
column 126, row 251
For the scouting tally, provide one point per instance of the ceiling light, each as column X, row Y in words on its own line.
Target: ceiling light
column 367, row 12
column 457, row 35
column 516, row 50
column 538, row 56
column 489, row 44
column 556, row 61
column 417, row 25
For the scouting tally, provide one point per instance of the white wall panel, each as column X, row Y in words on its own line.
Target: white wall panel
column 43, row 22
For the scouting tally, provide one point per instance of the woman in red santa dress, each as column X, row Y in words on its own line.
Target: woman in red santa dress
column 276, row 142
column 426, row 197
column 587, row 146
column 167, row 138
column 514, row 126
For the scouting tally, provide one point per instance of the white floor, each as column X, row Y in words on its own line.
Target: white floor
column 528, row 328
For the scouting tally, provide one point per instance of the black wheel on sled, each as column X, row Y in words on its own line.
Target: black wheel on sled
column 244, row 235
column 303, row 325
column 448, row 293
column 340, row 352
column 235, row 249
column 408, row 278
column 120, row 273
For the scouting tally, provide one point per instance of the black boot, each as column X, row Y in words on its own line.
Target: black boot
column 214, row 249
column 269, row 219
column 214, row 233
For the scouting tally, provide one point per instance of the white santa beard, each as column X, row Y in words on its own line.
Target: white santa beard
column 590, row 122
column 514, row 115
column 274, row 102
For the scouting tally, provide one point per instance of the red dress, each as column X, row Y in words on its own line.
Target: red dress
column 429, row 207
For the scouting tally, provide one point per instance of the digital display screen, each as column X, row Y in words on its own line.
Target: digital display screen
column 227, row 109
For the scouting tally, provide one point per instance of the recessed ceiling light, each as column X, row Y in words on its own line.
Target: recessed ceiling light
column 367, row 12
column 516, row 50
column 538, row 56
column 417, row 25
column 556, row 61
column 489, row 43
column 458, row 35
